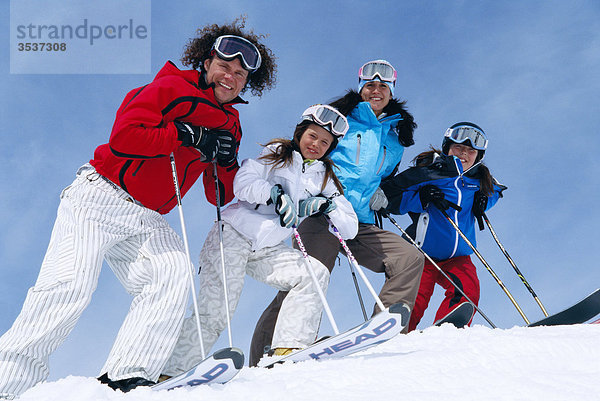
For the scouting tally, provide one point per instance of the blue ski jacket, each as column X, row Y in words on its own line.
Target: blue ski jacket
column 368, row 152
column 430, row 229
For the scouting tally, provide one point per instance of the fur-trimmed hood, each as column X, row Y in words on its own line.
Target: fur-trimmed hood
column 405, row 127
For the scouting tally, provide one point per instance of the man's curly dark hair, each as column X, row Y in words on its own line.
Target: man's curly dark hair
column 198, row 49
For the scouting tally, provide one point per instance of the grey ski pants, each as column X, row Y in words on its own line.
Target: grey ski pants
column 376, row 249
column 279, row 266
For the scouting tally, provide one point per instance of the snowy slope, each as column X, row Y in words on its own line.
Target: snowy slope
column 440, row 363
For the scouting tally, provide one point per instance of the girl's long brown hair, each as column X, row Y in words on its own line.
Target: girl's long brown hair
column 486, row 181
column 282, row 157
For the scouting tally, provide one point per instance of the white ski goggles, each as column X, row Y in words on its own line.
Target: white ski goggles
column 463, row 133
column 327, row 117
column 378, row 69
column 229, row 47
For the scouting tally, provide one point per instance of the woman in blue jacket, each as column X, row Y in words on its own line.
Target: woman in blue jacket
column 379, row 129
column 457, row 178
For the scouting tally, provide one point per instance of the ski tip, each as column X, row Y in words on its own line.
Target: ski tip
column 403, row 310
column 460, row 316
column 235, row 354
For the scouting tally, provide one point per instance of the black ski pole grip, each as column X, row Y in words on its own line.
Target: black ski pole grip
column 480, row 222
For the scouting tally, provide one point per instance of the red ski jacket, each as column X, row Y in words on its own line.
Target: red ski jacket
column 137, row 156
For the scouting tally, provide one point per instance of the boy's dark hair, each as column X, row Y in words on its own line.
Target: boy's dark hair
column 199, row 48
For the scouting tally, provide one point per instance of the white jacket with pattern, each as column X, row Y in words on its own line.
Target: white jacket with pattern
column 257, row 221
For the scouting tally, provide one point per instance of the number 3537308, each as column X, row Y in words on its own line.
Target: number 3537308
column 41, row 47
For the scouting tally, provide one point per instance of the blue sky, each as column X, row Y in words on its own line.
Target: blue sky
column 527, row 72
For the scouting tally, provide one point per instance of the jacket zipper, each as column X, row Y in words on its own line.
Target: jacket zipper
column 298, row 188
column 358, row 137
column 382, row 160
column 458, row 202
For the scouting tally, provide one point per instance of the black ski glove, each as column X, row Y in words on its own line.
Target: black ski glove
column 404, row 129
column 432, row 194
column 479, row 205
column 219, row 144
column 227, row 148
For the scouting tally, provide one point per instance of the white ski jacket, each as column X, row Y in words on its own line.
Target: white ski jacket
column 257, row 221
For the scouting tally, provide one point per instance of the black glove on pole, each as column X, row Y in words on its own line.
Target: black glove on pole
column 227, row 148
column 197, row 137
column 479, row 205
column 213, row 144
column 432, row 194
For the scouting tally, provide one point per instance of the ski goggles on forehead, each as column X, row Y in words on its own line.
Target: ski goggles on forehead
column 461, row 134
column 328, row 118
column 378, row 69
column 229, row 47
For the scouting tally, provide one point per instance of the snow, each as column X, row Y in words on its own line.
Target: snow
column 438, row 363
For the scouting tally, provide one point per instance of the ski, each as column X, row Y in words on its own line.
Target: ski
column 459, row 316
column 220, row 367
column 374, row 331
column 581, row 312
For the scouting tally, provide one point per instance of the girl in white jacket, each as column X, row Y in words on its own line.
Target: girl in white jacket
column 290, row 179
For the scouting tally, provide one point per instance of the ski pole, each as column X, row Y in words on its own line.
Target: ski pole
column 487, row 266
column 316, row 282
column 220, row 229
column 187, row 251
column 355, row 263
column 487, row 221
column 358, row 294
column 412, row 241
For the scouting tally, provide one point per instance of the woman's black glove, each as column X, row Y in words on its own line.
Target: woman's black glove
column 405, row 129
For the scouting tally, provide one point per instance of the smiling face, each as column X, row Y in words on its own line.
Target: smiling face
column 465, row 153
column 229, row 78
column 377, row 94
column 315, row 142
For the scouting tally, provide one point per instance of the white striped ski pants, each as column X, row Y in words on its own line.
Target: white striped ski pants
column 280, row 266
column 95, row 221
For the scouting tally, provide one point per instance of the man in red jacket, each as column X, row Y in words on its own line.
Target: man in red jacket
column 113, row 211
